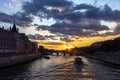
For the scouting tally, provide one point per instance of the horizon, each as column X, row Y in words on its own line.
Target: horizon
column 61, row 24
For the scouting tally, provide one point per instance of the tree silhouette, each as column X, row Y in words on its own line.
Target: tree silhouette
column 41, row 49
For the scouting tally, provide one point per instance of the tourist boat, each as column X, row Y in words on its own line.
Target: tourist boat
column 78, row 61
column 46, row 57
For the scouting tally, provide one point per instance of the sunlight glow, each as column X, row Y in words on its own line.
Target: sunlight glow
column 69, row 46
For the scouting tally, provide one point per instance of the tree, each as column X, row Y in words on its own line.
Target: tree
column 41, row 49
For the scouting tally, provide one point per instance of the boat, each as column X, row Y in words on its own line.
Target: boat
column 46, row 57
column 78, row 61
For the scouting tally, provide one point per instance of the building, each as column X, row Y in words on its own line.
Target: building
column 11, row 41
column 97, row 44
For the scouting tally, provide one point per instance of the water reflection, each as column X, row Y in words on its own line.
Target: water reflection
column 78, row 67
column 60, row 68
column 12, row 71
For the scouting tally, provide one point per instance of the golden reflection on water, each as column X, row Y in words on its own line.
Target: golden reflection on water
column 63, row 68
column 70, row 71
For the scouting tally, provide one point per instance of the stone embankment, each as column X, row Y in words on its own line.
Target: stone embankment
column 111, row 57
column 11, row 60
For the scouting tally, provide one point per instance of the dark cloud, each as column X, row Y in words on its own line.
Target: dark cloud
column 80, row 20
column 85, row 27
column 50, row 37
column 41, row 37
column 84, row 6
column 74, row 22
column 54, row 43
column 21, row 19
column 66, row 38
column 70, row 16
column 104, row 13
column 40, row 7
column 108, row 14
column 113, row 32
column 36, row 37
column 117, row 29
column 6, row 18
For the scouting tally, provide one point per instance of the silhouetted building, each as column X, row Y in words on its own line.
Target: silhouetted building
column 11, row 41
column 97, row 44
column 14, row 29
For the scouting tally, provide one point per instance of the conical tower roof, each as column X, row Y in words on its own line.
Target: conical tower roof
column 14, row 29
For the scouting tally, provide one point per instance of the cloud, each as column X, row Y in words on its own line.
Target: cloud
column 73, row 21
column 14, row 1
column 21, row 19
column 66, row 38
column 86, row 27
column 13, row 4
column 117, row 29
column 9, row 5
column 102, row 13
column 78, row 20
column 84, row 6
column 110, row 15
column 40, row 7
column 54, row 43
column 19, row 4
column 56, row 37
column 5, row 17
column 41, row 37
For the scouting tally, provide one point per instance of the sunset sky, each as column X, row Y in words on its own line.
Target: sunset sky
column 58, row 24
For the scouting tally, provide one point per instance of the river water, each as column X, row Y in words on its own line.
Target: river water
column 60, row 68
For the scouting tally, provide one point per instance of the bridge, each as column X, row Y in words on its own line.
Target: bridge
column 57, row 53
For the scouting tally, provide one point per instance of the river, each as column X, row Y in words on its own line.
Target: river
column 60, row 68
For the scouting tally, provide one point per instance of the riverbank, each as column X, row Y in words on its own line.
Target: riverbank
column 113, row 60
column 12, row 60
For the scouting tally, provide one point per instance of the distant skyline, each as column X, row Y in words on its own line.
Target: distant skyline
column 58, row 24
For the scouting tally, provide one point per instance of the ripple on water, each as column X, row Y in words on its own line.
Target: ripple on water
column 60, row 68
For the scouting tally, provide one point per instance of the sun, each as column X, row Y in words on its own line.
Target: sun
column 69, row 46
